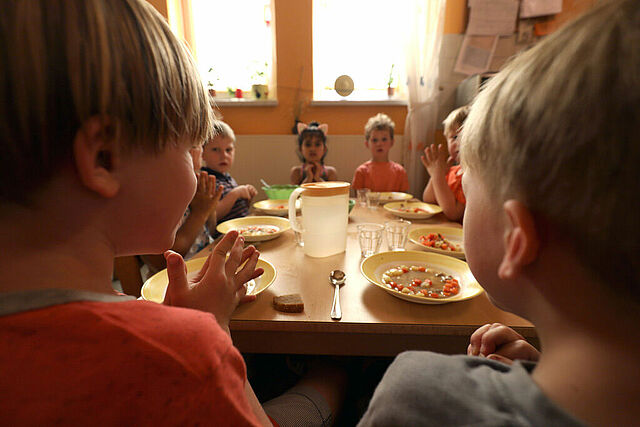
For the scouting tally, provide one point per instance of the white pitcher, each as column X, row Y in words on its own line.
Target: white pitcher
column 325, row 214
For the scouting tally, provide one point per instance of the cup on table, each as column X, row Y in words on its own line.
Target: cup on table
column 370, row 238
column 397, row 232
column 361, row 196
column 373, row 198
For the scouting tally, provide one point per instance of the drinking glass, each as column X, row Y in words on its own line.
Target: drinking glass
column 370, row 238
column 397, row 232
column 361, row 196
column 373, row 198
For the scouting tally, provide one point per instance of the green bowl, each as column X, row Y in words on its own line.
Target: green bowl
column 352, row 203
column 279, row 192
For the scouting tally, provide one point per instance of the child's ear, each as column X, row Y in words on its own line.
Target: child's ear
column 521, row 240
column 96, row 155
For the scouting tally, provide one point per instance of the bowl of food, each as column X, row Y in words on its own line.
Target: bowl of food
column 279, row 192
column 352, row 203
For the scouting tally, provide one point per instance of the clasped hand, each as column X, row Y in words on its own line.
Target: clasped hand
column 499, row 342
column 218, row 288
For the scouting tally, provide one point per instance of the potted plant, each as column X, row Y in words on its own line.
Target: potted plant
column 211, row 79
column 390, row 90
column 260, row 88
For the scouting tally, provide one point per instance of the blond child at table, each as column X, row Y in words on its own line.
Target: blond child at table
column 379, row 173
column 104, row 104
column 312, row 149
column 445, row 182
column 218, row 155
column 551, row 231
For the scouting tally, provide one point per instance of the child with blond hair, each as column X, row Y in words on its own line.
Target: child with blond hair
column 379, row 173
column 551, row 231
column 445, row 182
column 100, row 106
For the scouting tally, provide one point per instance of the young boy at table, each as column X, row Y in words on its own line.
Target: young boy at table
column 219, row 154
column 445, row 182
column 380, row 173
column 550, row 154
column 99, row 107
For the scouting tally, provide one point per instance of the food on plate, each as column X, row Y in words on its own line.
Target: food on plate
column 291, row 303
column 435, row 240
column 257, row 230
column 404, row 208
column 421, row 281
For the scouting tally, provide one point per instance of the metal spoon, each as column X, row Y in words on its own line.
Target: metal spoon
column 264, row 183
column 337, row 278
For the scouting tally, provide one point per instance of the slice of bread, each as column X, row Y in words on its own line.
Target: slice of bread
column 291, row 303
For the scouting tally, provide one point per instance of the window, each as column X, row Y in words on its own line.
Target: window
column 363, row 39
column 232, row 42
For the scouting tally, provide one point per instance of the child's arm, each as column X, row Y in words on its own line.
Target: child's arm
column 435, row 161
column 332, row 173
column 295, row 176
column 246, row 191
column 358, row 179
column 499, row 342
column 202, row 206
column 428, row 196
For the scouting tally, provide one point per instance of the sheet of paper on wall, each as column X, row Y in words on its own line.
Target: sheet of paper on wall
column 533, row 8
column 476, row 54
column 492, row 17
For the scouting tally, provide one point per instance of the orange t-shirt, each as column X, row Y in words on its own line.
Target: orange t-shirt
column 454, row 180
column 120, row 363
column 381, row 176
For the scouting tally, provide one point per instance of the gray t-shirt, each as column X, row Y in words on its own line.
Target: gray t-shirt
column 427, row 389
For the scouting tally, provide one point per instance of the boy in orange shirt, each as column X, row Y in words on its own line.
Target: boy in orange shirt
column 550, row 154
column 100, row 105
column 379, row 173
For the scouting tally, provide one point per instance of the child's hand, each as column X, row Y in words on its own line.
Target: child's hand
column 435, row 159
column 499, row 342
column 246, row 191
column 207, row 195
column 309, row 172
column 219, row 286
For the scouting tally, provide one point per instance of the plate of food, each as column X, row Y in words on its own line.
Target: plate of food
column 413, row 210
column 394, row 196
column 421, row 277
column 439, row 239
column 278, row 207
column 256, row 228
column 155, row 287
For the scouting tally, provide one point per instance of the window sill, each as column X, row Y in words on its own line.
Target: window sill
column 245, row 102
column 356, row 103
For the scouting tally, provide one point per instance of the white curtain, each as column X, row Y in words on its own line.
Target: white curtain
column 424, row 27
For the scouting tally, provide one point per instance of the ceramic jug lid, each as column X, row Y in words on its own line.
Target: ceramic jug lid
column 325, row 189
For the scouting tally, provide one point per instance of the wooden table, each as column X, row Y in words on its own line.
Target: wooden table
column 373, row 322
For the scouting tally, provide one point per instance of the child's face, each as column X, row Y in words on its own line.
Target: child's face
column 312, row 149
column 483, row 233
column 219, row 154
column 380, row 142
column 453, row 144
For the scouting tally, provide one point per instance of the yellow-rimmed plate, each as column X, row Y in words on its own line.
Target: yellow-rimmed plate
column 452, row 234
column 275, row 206
column 265, row 223
column 394, row 196
column 374, row 267
column 156, row 286
column 413, row 210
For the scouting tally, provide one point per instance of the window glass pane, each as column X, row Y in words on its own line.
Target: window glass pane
column 233, row 38
column 360, row 38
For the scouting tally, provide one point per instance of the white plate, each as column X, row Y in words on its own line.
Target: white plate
column 155, row 287
column 235, row 224
column 374, row 267
column 452, row 234
column 424, row 210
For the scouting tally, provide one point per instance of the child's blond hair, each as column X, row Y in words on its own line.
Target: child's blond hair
column 379, row 122
column 559, row 129
column 455, row 119
column 67, row 61
column 220, row 128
